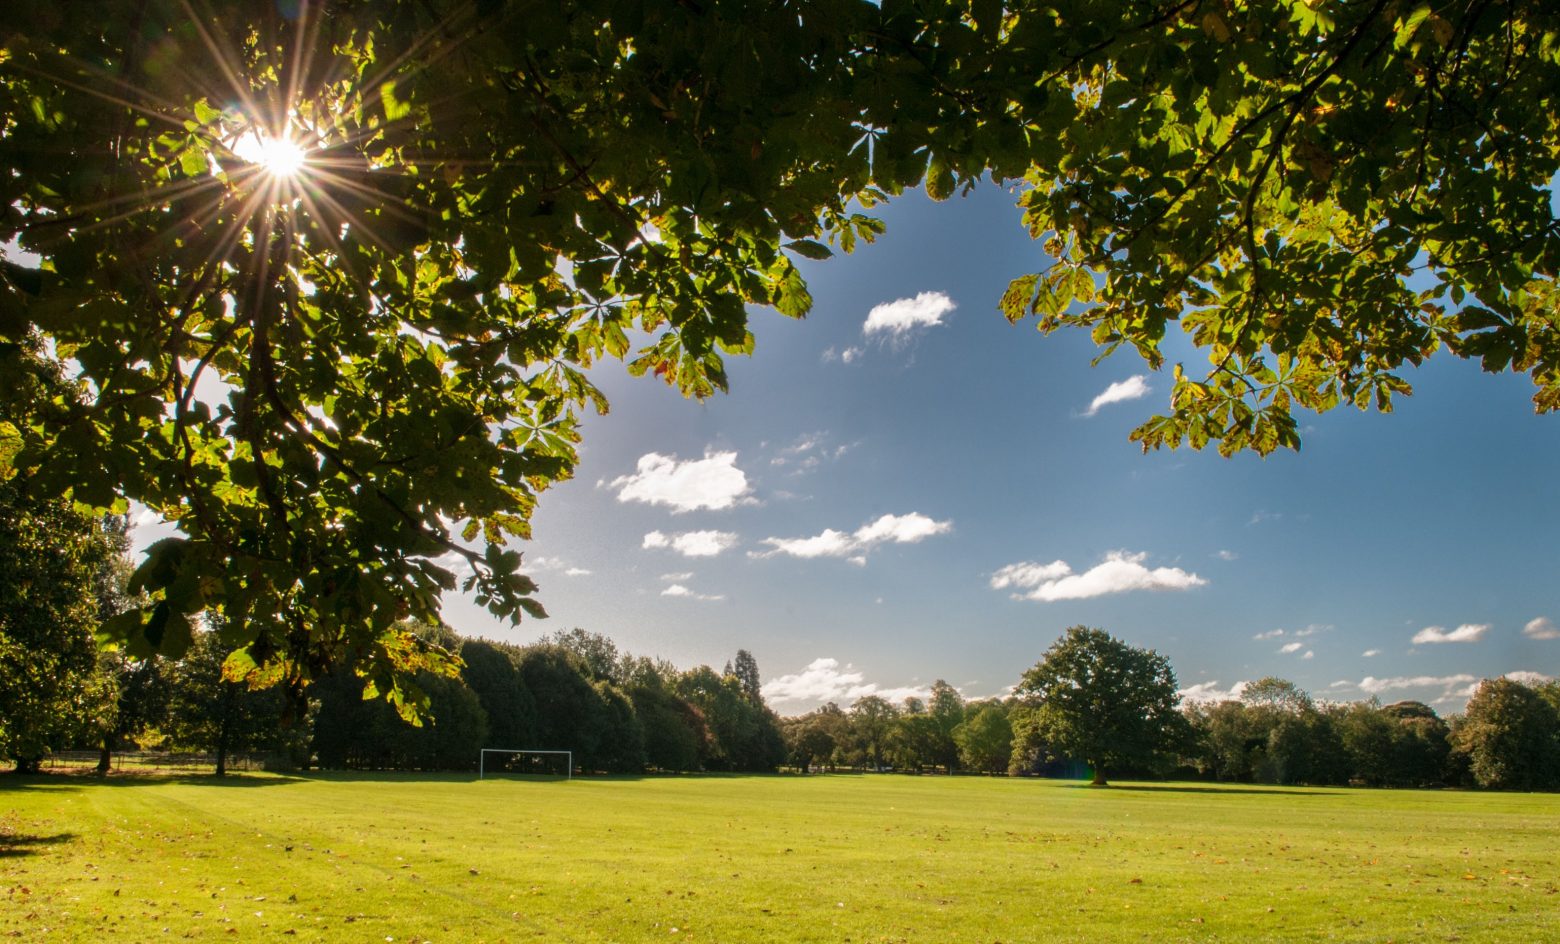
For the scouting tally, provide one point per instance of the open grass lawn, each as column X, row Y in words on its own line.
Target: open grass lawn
column 823, row 858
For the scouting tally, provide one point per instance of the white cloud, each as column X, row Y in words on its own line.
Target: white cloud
column 825, row 680
column 1527, row 677
column 850, row 354
column 900, row 529
column 1119, row 572
column 1029, row 574
column 692, row 543
column 576, row 572
column 888, row 529
column 1377, row 686
column 1467, row 632
column 1133, row 388
column 1309, row 654
column 1270, row 634
column 1211, row 692
column 678, row 577
column 1541, row 628
column 1371, row 653
column 1226, row 555
column 830, row 543
column 678, row 590
column 900, row 317
column 1292, row 647
column 713, row 482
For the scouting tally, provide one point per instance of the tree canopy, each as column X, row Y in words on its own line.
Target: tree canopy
column 329, row 278
column 51, row 561
column 1101, row 701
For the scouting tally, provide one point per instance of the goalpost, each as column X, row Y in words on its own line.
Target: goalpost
column 568, row 760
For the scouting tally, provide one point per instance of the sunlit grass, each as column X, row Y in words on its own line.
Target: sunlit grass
column 830, row 858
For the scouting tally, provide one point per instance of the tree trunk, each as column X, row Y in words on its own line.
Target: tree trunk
column 1099, row 777
column 106, row 755
column 222, row 735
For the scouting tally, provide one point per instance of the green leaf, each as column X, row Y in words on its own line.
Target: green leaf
column 811, row 249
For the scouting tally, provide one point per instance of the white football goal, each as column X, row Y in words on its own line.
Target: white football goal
column 526, row 763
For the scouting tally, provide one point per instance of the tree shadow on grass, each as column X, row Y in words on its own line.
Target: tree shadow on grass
column 1186, row 788
column 83, row 779
column 17, row 845
column 235, row 781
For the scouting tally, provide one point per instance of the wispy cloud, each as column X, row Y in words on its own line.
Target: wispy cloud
column 808, row 453
column 713, row 482
column 1226, row 555
column 888, row 529
column 841, row 355
column 1541, row 628
column 1440, row 689
column 1119, row 572
column 899, row 318
column 543, row 563
column 1211, row 692
column 1451, row 686
column 457, row 564
column 678, row 590
column 1371, row 653
column 1467, row 632
column 1133, row 388
column 1301, row 633
column 825, row 680
column 692, row 543
column 1289, row 647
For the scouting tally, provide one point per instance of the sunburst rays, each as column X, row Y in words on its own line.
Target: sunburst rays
column 267, row 102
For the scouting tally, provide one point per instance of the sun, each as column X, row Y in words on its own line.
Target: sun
column 278, row 155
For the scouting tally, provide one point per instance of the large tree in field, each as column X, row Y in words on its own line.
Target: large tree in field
column 1101, row 701
column 50, row 560
column 334, row 273
column 1510, row 734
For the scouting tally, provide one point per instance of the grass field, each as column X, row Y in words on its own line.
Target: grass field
column 824, row 858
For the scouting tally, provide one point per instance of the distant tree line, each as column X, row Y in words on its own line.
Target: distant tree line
column 63, row 574
column 1095, row 703
column 573, row 691
column 1092, row 703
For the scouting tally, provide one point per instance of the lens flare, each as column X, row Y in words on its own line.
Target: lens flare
column 281, row 157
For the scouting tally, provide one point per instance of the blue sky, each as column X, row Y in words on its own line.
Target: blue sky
column 868, row 511
column 975, row 435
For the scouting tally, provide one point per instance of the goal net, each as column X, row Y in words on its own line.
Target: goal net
column 551, row 765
